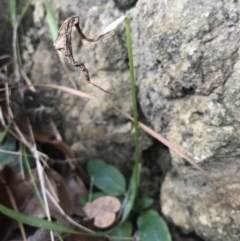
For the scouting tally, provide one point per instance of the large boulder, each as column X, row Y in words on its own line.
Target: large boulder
column 187, row 64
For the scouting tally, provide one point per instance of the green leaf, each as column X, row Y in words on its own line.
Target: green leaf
column 8, row 145
column 152, row 227
column 35, row 222
column 132, row 191
column 106, row 177
column 85, row 199
column 124, row 231
column 143, row 203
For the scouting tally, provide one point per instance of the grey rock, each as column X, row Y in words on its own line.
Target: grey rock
column 187, row 66
column 191, row 201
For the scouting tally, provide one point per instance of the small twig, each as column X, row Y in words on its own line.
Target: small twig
column 27, row 80
column 21, row 163
column 14, row 46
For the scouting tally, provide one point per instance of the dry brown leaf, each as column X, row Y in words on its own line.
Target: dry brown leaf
column 69, row 191
column 63, row 43
column 103, row 210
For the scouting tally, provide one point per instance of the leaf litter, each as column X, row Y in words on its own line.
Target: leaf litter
column 103, row 210
column 16, row 187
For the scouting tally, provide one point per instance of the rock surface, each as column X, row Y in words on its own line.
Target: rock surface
column 187, row 64
column 187, row 68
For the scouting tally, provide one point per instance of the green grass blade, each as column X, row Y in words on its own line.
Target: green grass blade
column 24, row 9
column 135, row 178
column 35, row 222
column 134, row 97
column 133, row 186
column 51, row 20
column 13, row 11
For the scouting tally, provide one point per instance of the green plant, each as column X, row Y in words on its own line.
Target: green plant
column 109, row 180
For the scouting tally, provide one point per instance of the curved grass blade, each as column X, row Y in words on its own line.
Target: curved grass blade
column 35, row 222
column 24, row 9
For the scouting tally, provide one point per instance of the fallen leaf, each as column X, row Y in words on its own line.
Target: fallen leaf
column 63, row 42
column 103, row 210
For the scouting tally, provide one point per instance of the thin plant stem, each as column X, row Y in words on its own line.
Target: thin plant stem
column 133, row 88
column 135, row 178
